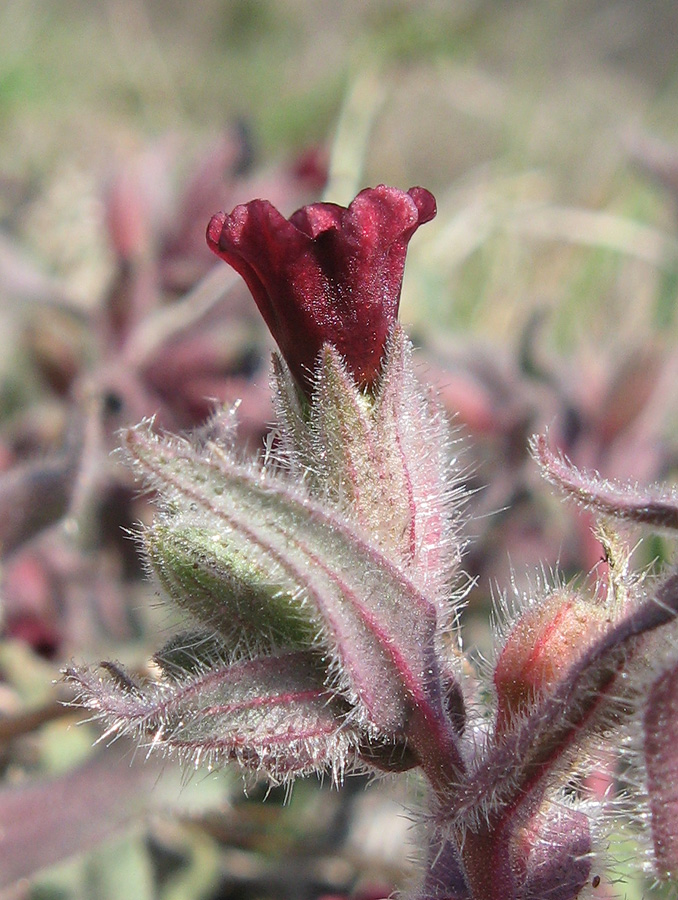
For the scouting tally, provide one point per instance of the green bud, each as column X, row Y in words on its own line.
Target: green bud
column 225, row 587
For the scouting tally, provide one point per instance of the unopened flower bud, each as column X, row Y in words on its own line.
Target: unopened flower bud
column 545, row 642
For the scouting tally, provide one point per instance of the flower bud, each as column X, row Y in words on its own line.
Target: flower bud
column 545, row 642
column 227, row 587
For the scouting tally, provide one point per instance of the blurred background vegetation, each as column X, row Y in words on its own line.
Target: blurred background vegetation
column 543, row 294
column 513, row 110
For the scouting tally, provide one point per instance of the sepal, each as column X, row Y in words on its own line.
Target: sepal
column 384, row 458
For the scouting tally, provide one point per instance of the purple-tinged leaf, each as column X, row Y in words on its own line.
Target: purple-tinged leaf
column 444, row 877
column 378, row 627
column 524, row 857
column 44, row 822
column 655, row 507
column 271, row 714
column 660, row 725
column 34, row 496
column 549, row 856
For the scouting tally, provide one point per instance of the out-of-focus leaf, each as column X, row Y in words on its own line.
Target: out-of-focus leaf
column 49, row 820
column 661, row 757
column 34, row 496
column 120, row 869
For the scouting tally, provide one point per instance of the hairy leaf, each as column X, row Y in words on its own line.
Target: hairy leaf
column 378, row 627
column 444, row 879
column 660, row 725
column 557, row 849
column 413, row 437
column 224, row 585
column 385, row 461
column 271, row 714
column 646, row 506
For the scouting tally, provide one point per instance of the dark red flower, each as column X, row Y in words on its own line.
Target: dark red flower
column 328, row 274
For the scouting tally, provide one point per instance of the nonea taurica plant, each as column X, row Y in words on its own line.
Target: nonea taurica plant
column 322, row 585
